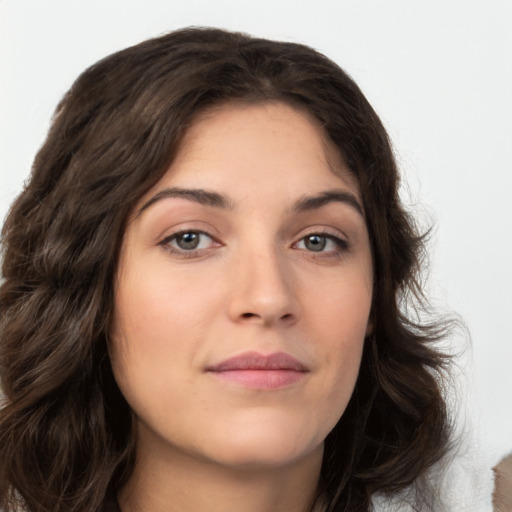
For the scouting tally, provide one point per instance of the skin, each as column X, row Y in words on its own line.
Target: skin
column 502, row 495
column 256, row 282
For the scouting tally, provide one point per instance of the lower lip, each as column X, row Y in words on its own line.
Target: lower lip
column 261, row 379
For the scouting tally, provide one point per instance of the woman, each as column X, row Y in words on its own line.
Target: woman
column 204, row 290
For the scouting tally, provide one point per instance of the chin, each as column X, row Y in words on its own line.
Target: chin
column 264, row 444
column 261, row 455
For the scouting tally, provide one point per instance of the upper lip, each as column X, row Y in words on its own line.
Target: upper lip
column 256, row 361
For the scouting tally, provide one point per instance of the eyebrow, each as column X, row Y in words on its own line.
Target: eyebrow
column 198, row 195
column 216, row 200
column 329, row 196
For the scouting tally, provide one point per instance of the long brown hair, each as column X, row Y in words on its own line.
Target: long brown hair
column 65, row 429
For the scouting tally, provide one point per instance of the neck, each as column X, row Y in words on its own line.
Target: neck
column 186, row 484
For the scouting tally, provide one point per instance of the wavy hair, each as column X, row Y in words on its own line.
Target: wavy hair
column 65, row 429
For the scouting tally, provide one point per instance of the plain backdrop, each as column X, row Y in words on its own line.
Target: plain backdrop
column 439, row 73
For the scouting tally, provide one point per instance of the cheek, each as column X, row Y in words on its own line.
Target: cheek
column 159, row 322
column 338, row 382
column 341, row 324
column 155, row 311
column 340, row 310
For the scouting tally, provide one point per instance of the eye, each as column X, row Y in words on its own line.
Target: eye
column 188, row 241
column 319, row 242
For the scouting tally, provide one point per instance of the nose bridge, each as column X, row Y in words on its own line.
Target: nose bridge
column 263, row 284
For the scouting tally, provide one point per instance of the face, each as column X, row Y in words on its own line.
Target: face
column 243, row 293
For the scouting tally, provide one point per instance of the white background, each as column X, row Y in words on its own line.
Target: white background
column 439, row 73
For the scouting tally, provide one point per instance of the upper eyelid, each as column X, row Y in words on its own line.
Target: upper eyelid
column 335, row 238
column 322, row 232
column 175, row 234
column 171, row 232
column 333, row 233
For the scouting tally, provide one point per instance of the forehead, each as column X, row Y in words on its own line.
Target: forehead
column 266, row 144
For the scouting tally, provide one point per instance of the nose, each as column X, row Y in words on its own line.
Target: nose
column 263, row 290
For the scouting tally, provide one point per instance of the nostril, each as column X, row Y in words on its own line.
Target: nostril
column 286, row 316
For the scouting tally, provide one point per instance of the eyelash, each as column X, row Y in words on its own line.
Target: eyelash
column 341, row 244
column 165, row 243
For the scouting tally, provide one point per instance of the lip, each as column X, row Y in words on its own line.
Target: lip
column 258, row 371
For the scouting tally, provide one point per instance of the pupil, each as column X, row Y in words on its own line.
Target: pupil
column 188, row 240
column 315, row 242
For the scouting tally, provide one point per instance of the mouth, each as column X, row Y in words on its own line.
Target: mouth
column 257, row 371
